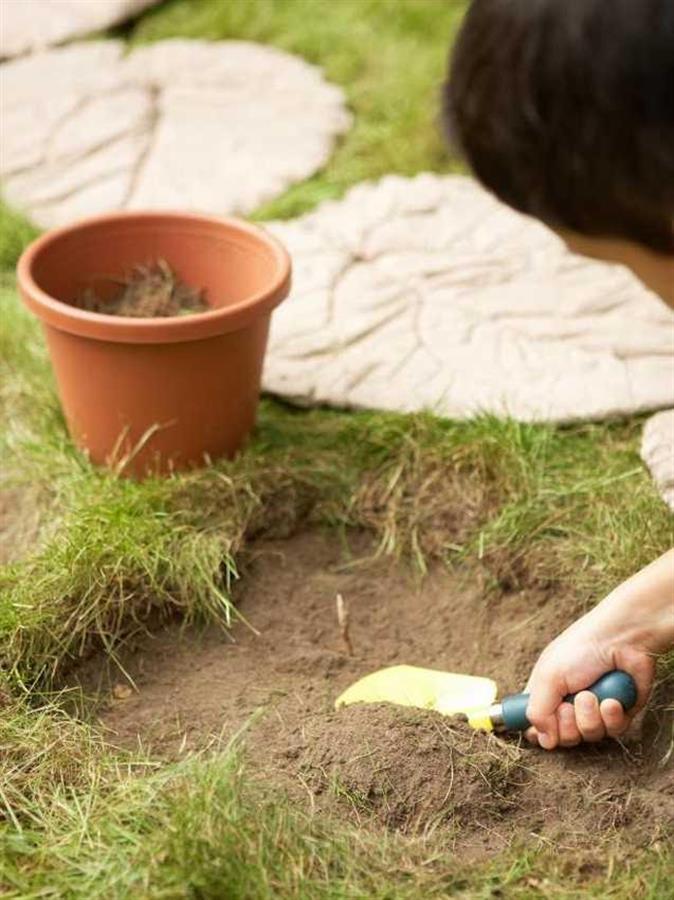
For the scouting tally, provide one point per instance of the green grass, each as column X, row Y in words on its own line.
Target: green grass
column 15, row 234
column 570, row 507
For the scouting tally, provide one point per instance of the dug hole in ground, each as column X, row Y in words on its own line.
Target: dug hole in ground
column 273, row 682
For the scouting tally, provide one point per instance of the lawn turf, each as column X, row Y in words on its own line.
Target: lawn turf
column 529, row 503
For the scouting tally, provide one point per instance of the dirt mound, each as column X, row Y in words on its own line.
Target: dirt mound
column 409, row 769
column 386, row 766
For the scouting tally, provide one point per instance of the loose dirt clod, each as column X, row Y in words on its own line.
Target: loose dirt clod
column 150, row 291
column 121, row 692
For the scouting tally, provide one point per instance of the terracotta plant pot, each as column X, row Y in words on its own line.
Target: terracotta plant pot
column 158, row 395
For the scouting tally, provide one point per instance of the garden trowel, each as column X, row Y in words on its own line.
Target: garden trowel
column 469, row 696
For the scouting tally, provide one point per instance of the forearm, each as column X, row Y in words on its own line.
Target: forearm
column 641, row 609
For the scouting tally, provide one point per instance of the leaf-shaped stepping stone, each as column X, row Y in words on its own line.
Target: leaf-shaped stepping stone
column 215, row 127
column 35, row 24
column 657, row 451
column 427, row 293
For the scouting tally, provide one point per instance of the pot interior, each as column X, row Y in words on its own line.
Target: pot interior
column 221, row 257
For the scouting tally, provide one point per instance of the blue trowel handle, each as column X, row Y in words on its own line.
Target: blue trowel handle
column 616, row 685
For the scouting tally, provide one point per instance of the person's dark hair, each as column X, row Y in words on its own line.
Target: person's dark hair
column 565, row 110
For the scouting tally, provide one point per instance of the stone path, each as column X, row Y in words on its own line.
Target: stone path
column 427, row 293
column 27, row 25
column 217, row 127
column 657, row 451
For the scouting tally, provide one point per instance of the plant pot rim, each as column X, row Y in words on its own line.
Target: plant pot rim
column 169, row 329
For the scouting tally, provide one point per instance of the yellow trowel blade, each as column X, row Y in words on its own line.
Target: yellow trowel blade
column 445, row 692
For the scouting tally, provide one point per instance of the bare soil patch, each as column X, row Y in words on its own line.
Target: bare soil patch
column 383, row 766
column 19, row 523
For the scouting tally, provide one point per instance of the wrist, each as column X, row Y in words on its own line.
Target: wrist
column 622, row 620
column 640, row 612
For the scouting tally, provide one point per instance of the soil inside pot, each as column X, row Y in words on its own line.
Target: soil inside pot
column 150, row 291
column 386, row 767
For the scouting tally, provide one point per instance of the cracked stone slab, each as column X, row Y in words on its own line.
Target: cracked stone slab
column 28, row 25
column 429, row 294
column 657, row 451
column 215, row 127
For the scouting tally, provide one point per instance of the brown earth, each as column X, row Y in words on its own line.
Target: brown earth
column 19, row 522
column 151, row 291
column 381, row 765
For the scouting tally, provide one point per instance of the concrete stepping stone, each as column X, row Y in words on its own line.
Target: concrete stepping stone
column 28, row 25
column 428, row 294
column 215, row 127
column 657, row 451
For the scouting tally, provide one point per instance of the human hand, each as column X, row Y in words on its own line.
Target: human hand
column 573, row 661
column 625, row 631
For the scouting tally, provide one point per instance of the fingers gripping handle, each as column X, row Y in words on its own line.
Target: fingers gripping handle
column 616, row 685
